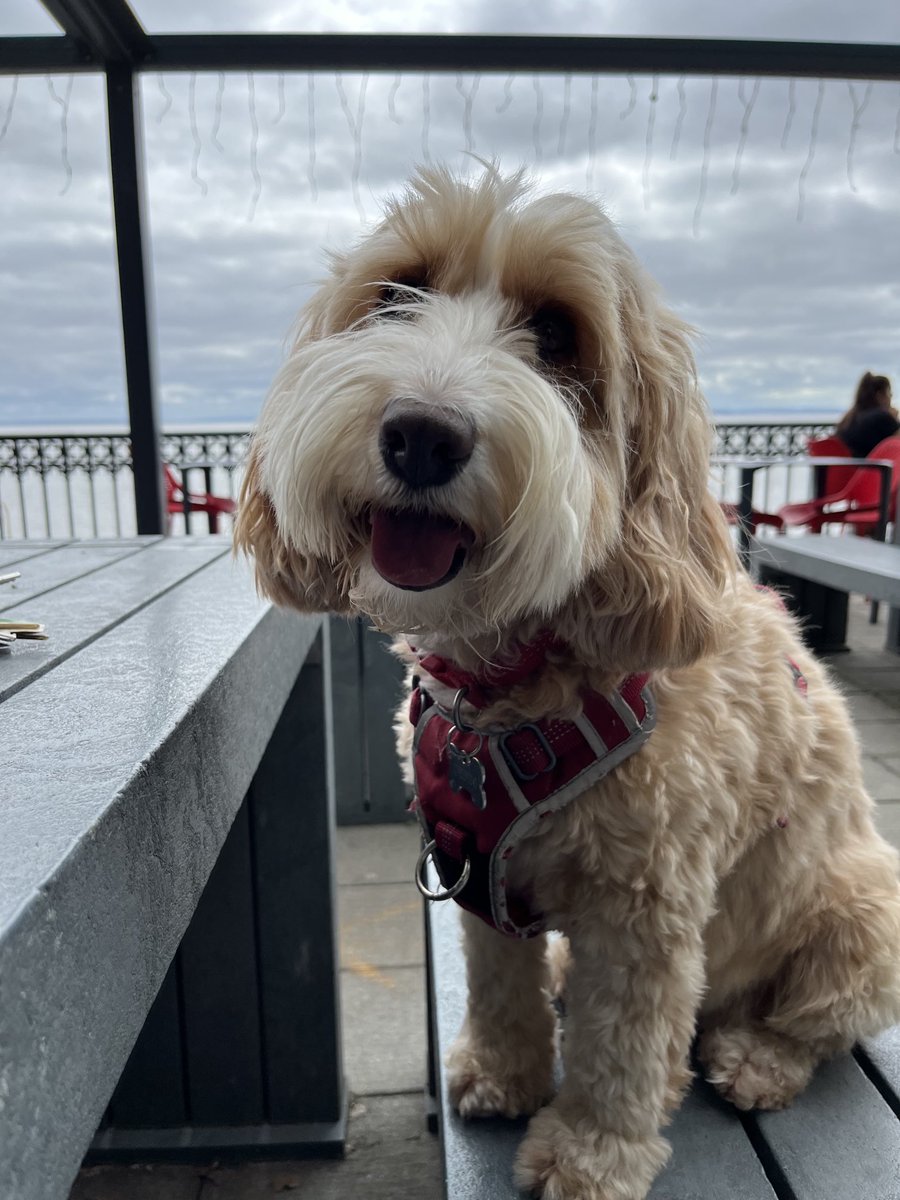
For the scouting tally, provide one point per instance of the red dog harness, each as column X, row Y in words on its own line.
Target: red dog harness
column 478, row 794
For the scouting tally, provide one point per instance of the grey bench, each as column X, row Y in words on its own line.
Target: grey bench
column 816, row 572
column 165, row 849
column 839, row 1141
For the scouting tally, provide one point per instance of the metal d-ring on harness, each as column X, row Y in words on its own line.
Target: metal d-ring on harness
column 449, row 893
column 466, row 774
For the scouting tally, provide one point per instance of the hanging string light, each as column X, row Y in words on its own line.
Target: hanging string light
column 704, row 169
column 859, row 107
column 311, row 136
column 167, row 99
column 792, row 108
column 538, row 119
column 632, row 99
column 682, row 113
column 12, row 104
column 648, row 140
column 507, row 95
column 813, row 135
column 63, row 102
column 392, row 97
column 745, row 127
column 217, row 113
column 468, row 95
column 426, row 117
column 355, row 125
column 195, row 135
column 592, row 132
column 566, row 113
column 254, row 146
column 282, row 103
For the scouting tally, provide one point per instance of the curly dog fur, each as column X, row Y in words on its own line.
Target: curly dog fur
column 727, row 878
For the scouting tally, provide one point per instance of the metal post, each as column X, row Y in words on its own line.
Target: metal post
column 126, row 167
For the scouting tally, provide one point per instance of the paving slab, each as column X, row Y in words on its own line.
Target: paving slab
column 880, row 737
column 869, row 707
column 384, row 1029
column 390, row 1156
column 881, row 782
column 383, row 926
column 882, row 682
column 377, row 853
column 887, row 819
column 156, row 1182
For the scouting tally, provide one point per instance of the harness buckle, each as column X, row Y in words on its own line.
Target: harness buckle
column 509, row 754
column 448, row 893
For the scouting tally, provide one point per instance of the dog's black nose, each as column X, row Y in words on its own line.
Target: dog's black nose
column 425, row 444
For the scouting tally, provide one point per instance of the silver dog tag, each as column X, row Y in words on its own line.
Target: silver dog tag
column 467, row 775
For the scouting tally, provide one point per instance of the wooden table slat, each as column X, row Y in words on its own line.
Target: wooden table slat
column 77, row 612
column 75, row 714
column 45, row 572
column 12, row 553
column 883, row 1052
column 839, row 1140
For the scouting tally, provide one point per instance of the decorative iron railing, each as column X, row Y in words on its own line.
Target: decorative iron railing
column 63, row 484
column 67, row 484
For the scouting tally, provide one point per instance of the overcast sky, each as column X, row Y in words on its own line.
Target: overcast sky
column 706, row 179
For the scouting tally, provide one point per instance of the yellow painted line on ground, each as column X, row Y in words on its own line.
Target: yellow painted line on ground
column 359, row 966
column 367, row 971
column 396, row 911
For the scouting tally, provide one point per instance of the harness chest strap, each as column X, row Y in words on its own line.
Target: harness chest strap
column 478, row 795
column 528, row 773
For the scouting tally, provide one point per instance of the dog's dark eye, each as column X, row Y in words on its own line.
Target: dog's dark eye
column 398, row 293
column 555, row 334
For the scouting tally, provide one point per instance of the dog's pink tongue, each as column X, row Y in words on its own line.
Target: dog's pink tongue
column 415, row 550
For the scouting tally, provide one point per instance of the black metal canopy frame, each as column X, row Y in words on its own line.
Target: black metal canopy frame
column 105, row 35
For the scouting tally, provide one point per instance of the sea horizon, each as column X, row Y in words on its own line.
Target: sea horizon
column 50, row 428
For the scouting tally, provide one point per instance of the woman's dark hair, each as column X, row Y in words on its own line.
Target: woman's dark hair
column 870, row 388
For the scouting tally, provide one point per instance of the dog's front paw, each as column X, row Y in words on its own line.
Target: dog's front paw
column 755, row 1068
column 484, row 1083
column 556, row 1163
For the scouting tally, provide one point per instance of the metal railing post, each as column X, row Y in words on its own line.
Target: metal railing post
column 126, row 167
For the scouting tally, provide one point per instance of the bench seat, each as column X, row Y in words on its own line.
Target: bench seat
column 839, row 1141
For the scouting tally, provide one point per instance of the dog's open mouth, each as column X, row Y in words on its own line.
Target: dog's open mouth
column 417, row 551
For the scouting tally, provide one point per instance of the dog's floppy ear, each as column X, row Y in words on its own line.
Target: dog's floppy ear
column 284, row 575
column 662, row 589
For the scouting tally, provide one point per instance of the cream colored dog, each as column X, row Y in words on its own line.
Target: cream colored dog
column 488, row 426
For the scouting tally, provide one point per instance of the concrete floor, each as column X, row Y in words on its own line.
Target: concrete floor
column 390, row 1155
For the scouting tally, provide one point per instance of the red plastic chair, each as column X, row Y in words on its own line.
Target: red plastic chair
column 757, row 516
column 213, row 506
column 830, row 479
column 886, row 451
column 855, row 503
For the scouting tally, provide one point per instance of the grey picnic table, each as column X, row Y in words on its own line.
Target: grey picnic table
column 166, row 886
column 839, row 1141
column 816, row 572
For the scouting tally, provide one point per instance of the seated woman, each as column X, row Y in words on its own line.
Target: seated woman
column 871, row 419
